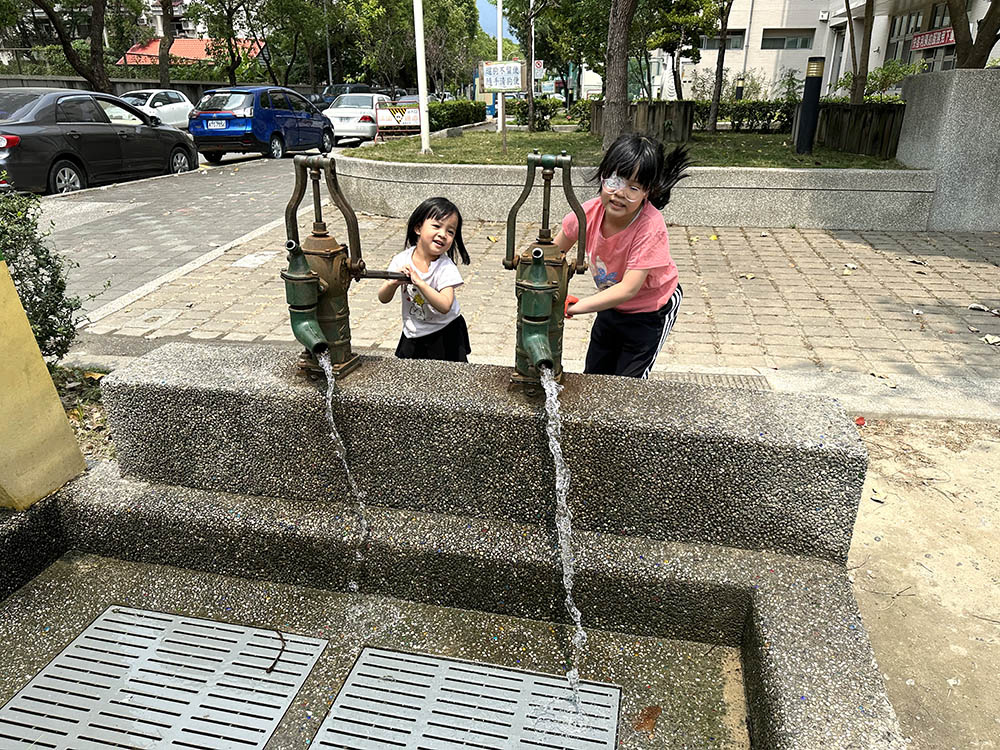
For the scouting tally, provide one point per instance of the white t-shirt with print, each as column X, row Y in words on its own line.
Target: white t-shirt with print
column 420, row 318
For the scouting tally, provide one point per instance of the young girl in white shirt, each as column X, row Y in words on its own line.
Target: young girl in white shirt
column 433, row 326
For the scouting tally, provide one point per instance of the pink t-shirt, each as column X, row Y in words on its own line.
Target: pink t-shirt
column 641, row 245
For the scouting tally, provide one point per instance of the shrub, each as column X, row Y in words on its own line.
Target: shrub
column 544, row 110
column 452, row 114
column 579, row 113
column 39, row 274
column 883, row 78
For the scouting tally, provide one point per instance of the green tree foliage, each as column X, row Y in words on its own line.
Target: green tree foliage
column 387, row 39
column 39, row 274
column 881, row 79
column 450, row 28
column 676, row 28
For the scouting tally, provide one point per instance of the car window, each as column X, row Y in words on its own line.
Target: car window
column 219, row 101
column 119, row 115
column 161, row 99
column 279, row 100
column 354, row 100
column 174, row 97
column 16, row 104
column 78, row 109
column 135, row 98
column 299, row 104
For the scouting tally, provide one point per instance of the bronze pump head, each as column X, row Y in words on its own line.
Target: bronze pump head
column 543, row 273
column 320, row 271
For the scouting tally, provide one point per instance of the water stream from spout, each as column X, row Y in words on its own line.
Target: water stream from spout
column 564, row 524
column 357, row 495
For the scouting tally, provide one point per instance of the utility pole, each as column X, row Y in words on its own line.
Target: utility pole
column 499, row 95
column 418, row 27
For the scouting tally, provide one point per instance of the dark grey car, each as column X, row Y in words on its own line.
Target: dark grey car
column 59, row 140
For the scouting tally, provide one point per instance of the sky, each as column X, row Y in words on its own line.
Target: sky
column 488, row 19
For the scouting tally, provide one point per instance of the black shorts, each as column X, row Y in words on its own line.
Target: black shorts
column 628, row 343
column 450, row 344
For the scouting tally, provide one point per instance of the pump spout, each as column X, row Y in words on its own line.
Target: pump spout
column 302, row 286
column 535, row 336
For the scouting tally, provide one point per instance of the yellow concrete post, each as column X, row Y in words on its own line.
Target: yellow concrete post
column 38, row 451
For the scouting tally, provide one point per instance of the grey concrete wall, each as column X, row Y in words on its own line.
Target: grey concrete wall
column 671, row 461
column 810, row 674
column 711, row 196
column 951, row 124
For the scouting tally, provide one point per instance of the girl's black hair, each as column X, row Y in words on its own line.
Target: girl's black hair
column 639, row 157
column 437, row 208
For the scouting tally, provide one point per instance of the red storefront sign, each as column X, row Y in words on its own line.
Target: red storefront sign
column 936, row 38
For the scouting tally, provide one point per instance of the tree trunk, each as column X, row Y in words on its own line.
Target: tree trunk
column 969, row 53
column 720, row 64
column 234, row 60
column 649, row 76
column 166, row 41
column 854, row 53
column 615, row 119
column 861, row 79
column 675, row 63
column 295, row 53
column 95, row 73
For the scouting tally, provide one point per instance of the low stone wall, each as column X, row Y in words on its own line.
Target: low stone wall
column 711, row 196
column 672, row 461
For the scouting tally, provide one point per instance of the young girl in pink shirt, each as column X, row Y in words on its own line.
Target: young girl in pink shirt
column 629, row 254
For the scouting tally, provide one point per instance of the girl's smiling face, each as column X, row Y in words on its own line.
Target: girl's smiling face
column 435, row 236
column 622, row 196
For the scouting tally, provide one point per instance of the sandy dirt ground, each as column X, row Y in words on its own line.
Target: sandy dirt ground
column 925, row 562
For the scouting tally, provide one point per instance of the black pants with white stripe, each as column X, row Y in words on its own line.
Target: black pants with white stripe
column 628, row 343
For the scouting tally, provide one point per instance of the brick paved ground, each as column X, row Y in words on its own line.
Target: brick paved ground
column 126, row 235
column 781, row 298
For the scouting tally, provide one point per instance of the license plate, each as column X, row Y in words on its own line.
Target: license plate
column 216, row 124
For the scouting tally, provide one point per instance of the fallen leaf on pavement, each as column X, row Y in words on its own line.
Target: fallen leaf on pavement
column 990, row 339
column 94, row 375
column 714, row 237
column 917, row 261
column 647, row 719
column 973, row 329
column 979, row 307
column 747, row 276
column 491, row 238
column 860, row 421
column 918, row 312
column 852, row 266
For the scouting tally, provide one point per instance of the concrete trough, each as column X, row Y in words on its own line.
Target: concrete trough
column 809, row 675
column 670, row 461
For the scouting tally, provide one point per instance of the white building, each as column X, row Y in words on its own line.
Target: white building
column 184, row 26
column 768, row 36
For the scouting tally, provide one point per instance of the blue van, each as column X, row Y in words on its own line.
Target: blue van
column 270, row 120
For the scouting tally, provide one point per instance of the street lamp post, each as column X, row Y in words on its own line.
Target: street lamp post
column 329, row 59
column 418, row 27
column 499, row 96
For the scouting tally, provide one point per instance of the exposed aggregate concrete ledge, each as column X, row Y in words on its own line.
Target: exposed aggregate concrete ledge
column 672, row 461
column 811, row 679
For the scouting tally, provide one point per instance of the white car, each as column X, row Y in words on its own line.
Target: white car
column 172, row 107
column 353, row 115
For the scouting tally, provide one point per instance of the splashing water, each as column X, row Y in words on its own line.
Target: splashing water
column 564, row 524
column 341, row 451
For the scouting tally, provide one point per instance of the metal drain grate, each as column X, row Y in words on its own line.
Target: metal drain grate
column 419, row 702
column 137, row 679
column 718, row 380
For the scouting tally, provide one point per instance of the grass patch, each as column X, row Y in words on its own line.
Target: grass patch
column 718, row 150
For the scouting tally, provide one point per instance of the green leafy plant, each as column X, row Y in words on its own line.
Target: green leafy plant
column 788, row 87
column 454, row 113
column 544, row 111
column 883, row 78
column 39, row 274
column 579, row 112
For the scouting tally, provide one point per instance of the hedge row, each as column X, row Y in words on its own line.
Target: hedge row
column 452, row 114
column 766, row 116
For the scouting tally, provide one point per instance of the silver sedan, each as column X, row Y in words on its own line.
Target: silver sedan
column 353, row 116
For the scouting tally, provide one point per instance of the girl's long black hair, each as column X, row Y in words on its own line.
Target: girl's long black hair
column 437, row 208
column 639, row 157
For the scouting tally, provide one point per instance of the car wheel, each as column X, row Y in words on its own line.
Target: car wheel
column 328, row 142
column 66, row 177
column 277, row 147
column 214, row 157
column 180, row 161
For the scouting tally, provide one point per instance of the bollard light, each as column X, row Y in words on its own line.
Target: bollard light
column 740, row 81
column 809, row 109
